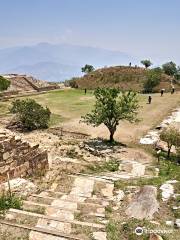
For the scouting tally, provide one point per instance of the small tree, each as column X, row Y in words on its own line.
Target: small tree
column 147, row 63
column 152, row 80
column 112, row 106
column 4, row 83
column 87, row 68
column 172, row 137
column 177, row 74
column 31, row 114
column 169, row 68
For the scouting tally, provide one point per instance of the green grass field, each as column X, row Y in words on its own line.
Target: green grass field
column 67, row 106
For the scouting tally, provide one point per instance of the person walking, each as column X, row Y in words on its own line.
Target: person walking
column 85, row 91
column 149, row 99
column 162, row 92
column 172, row 90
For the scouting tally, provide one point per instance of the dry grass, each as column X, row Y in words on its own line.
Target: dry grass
column 124, row 77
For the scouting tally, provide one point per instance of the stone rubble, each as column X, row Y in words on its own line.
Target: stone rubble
column 153, row 136
column 19, row 186
column 167, row 191
column 99, row 235
column 177, row 223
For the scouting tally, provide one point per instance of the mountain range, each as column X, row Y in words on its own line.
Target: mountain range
column 57, row 62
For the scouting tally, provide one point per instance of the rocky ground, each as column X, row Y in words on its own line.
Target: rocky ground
column 95, row 191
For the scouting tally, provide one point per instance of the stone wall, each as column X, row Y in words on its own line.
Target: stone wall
column 19, row 158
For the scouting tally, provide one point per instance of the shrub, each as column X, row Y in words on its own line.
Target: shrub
column 4, row 83
column 71, row 83
column 30, row 114
column 153, row 79
column 7, row 201
column 172, row 137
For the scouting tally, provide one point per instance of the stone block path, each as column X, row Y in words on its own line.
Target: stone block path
column 78, row 213
column 54, row 215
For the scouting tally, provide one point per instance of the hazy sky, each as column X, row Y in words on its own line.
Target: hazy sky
column 141, row 28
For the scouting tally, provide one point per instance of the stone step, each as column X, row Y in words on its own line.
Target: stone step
column 62, row 211
column 32, row 204
column 17, row 212
column 117, row 176
column 94, row 177
column 94, row 199
column 49, row 200
column 45, row 232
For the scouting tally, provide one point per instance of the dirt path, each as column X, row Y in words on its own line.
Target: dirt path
column 150, row 116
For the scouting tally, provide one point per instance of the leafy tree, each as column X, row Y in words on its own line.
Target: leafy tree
column 31, row 114
column 4, row 83
column 171, row 136
column 177, row 74
column 169, row 68
column 147, row 63
column 111, row 106
column 152, row 80
column 87, row 68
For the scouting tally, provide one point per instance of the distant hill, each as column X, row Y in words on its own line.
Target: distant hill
column 123, row 77
column 57, row 62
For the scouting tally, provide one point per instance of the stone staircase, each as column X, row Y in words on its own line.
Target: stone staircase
column 77, row 214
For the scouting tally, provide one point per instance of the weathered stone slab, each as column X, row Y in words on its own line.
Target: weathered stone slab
column 144, row 204
column 99, row 235
column 82, row 186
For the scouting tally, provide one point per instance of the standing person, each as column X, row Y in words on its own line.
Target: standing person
column 85, row 91
column 162, row 92
column 172, row 90
column 149, row 99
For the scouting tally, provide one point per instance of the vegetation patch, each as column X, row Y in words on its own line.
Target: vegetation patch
column 30, row 114
column 109, row 166
column 7, row 202
column 168, row 170
column 4, row 83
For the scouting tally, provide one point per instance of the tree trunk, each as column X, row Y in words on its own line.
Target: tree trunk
column 111, row 139
column 169, row 152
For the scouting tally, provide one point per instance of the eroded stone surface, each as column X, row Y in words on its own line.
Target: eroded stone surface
column 99, row 235
column 167, row 191
column 154, row 236
column 42, row 236
column 20, row 186
column 144, row 204
column 82, row 187
column 108, row 190
column 135, row 168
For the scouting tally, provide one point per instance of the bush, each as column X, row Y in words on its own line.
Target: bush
column 153, row 79
column 7, row 201
column 30, row 114
column 4, row 83
column 169, row 68
column 171, row 136
column 71, row 83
